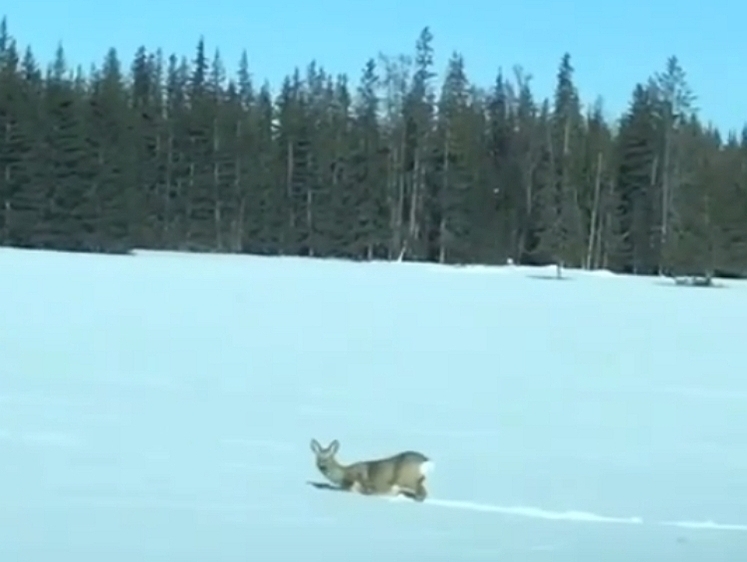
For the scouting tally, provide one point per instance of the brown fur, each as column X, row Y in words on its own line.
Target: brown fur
column 400, row 473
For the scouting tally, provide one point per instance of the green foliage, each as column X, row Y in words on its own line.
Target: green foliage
column 171, row 152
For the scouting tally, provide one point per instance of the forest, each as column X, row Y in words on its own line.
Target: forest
column 171, row 153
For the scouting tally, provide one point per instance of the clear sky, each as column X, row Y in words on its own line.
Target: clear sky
column 613, row 44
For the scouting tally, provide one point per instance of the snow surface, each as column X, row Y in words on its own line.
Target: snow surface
column 160, row 407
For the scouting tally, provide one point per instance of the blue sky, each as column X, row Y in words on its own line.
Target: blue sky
column 612, row 44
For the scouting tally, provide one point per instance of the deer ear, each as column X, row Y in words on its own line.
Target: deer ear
column 334, row 447
column 316, row 447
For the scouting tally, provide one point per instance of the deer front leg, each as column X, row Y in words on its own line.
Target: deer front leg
column 348, row 483
column 365, row 488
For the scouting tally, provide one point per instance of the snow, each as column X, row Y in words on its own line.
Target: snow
column 161, row 406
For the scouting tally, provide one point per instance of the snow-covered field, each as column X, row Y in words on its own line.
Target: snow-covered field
column 160, row 407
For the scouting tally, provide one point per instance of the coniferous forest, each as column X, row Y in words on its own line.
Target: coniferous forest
column 169, row 152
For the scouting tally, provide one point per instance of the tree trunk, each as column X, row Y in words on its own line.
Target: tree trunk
column 594, row 213
column 238, row 231
column 414, row 197
column 216, row 189
column 167, row 226
column 309, row 221
column 444, row 201
column 289, row 186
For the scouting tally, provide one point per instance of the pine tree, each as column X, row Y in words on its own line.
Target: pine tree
column 638, row 176
column 68, row 220
column 453, row 212
column 175, row 154
column 368, row 170
column 562, row 237
column 418, row 117
column 111, row 198
column 12, row 146
column 674, row 109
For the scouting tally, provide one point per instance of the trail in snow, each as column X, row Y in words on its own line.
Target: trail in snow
column 574, row 516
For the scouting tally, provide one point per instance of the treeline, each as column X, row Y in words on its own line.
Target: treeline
column 173, row 154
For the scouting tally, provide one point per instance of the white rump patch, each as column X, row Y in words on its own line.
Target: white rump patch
column 427, row 467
